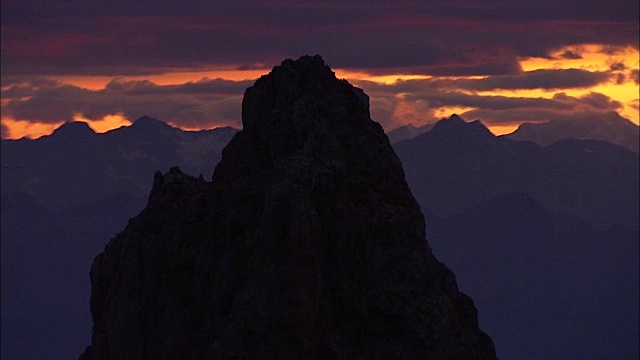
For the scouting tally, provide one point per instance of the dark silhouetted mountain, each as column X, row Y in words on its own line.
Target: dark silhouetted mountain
column 547, row 286
column 149, row 124
column 611, row 128
column 74, row 131
column 456, row 128
column 75, row 163
column 407, row 132
column 457, row 165
column 306, row 244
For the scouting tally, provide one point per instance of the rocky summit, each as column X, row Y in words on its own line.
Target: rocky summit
column 307, row 243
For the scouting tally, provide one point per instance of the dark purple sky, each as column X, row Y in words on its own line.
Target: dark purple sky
column 543, row 59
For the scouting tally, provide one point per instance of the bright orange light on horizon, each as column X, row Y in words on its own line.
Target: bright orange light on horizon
column 169, row 78
column 182, row 77
column 105, row 124
column 592, row 57
column 498, row 130
column 381, row 79
column 26, row 129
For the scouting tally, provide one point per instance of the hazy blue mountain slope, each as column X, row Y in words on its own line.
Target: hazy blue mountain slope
column 611, row 128
column 546, row 285
column 457, row 165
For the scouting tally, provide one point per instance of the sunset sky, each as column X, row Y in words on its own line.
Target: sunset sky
column 188, row 63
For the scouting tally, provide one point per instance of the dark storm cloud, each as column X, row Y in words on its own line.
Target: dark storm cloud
column 547, row 79
column 618, row 66
column 205, row 103
column 539, row 115
column 593, row 99
column 4, row 132
column 592, row 105
column 214, row 102
column 489, row 102
column 27, row 88
column 485, row 10
column 543, row 79
column 434, row 37
column 399, row 103
column 204, row 86
column 568, row 54
column 538, row 79
column 635, row 75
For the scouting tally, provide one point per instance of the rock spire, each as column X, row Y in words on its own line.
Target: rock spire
column 307, row 243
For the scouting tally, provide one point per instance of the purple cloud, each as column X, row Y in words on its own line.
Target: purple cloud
column 436, row 37
column 4, row 132
column 205, row 103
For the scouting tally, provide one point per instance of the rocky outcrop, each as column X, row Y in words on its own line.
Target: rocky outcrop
column 306, row 244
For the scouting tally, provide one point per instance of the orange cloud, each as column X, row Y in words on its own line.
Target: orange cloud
column 396, row 99
column 18, row 129
column 593, row 57
column 169, row 78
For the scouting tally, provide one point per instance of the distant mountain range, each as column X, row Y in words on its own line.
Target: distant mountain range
column 544, row 238
column 74, row 164
column 407, row 132
column 63, row 197
column 457, row 165
column 611, row 128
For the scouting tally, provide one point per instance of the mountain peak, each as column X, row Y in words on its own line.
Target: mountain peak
column 455, row 126
column 307, row 244
column 407, row 132
column 452, row 123
column 610, row 127
column 148, row 123
column 297, row 97
column 74, row 129
column 455, row 118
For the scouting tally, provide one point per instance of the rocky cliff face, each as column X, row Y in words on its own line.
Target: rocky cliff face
column 306, row 244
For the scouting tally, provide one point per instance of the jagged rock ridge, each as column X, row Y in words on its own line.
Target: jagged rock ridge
column 306, row 244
